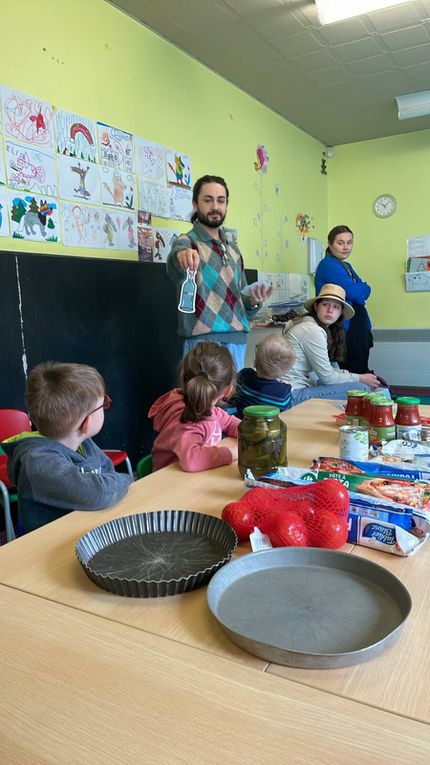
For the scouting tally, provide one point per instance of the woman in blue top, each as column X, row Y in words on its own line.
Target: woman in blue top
column 334, row 269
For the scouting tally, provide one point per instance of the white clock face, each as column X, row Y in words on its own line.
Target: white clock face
column 384, row 206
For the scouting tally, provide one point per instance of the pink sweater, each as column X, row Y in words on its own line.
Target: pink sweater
column 192, row 444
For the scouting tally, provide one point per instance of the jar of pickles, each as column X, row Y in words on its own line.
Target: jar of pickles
column 262, row 440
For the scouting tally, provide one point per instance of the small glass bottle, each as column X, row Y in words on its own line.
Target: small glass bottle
column 381, row 423
column 262, row 440
column 354, row 407
column 365, row 410
column 408, row 420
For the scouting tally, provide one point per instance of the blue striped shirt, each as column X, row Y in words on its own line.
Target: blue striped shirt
column 252, row 390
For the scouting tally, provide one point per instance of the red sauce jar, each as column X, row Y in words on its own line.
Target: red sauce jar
column 408, row 420
column 381, row 423
column 354, row 407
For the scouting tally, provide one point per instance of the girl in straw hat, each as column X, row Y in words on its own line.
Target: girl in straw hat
column 318, row 341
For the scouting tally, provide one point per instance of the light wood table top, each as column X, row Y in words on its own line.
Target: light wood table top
column 79, row 688
column 43, row 563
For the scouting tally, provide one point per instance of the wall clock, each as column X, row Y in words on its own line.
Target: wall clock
column 384, row 205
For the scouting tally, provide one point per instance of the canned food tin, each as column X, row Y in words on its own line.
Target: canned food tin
column 353, row 443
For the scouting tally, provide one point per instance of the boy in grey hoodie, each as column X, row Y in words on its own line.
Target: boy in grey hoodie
column 59, row 468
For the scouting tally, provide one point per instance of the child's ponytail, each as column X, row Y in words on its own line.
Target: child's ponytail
column 206, row 371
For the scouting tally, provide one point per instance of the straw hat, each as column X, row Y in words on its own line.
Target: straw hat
column 333, row 292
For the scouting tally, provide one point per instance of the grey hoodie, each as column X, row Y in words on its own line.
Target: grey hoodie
column 53, row 480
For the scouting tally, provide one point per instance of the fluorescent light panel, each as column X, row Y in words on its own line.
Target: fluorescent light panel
column 413, row 105
column 330, row 11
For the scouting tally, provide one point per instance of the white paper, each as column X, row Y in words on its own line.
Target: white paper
column 150, row 160
column 33, row 217
column 30, row 169
column 118, row 188
column 75, row 136
column 78, row 180
column 154, row 198
column 27, row 118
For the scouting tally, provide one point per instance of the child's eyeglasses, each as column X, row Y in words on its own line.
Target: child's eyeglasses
column 107, row 403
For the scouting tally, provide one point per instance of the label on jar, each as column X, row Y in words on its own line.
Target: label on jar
column 352, row 419
column 380, row 436
column 408, row 432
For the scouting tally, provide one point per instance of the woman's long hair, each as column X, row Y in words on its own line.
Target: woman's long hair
column 205, row 373
column 331, row 236
column 335, row 333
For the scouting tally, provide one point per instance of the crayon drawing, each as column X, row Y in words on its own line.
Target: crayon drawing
column 2, row 167
column 26, row 118
column 4, row 215
column 181, row 203
column 120, row 230
column 150, row 159
column 178, row 168
column 118, row 188
column 33, row 217
column 75, row 136
column 154, row 198
column 163, row 238
column 144, row 240
column 29, row 169
column 115, row 147
column 82, row 225
column 78, row 179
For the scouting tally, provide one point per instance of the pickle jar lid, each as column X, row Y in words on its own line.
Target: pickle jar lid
column 261, row 411
column 408, row 400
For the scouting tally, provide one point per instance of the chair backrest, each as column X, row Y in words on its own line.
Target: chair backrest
column 12, row 422
column 144, row 466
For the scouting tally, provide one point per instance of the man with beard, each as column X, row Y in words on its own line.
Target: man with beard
column 222, row 312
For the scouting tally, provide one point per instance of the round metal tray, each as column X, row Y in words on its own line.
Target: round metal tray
column 309, row 607
column 154, row 554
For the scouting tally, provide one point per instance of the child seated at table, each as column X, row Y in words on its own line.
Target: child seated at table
column 188, row 421
column 59, row 468
column 262, row 385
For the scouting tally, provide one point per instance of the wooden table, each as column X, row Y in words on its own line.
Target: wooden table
column 43, row 564
column 79, row 688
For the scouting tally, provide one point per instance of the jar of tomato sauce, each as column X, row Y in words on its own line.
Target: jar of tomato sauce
column 381, row 423
column 354, row 407
column 408, row 420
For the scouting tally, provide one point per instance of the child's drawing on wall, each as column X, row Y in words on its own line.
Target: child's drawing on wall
column 33, row 217
column 163, row 238
column 154, row 198
column 27, row 118
column 75, row 136
column 29, row 169
column 115, row 147
column 178, row 168
column 129, row 224
column 144, row 241
column 4, row 218
column 150, row 159
column 82, row 225
column 2, row 167
column 181, row 203
column 78, row 179
column 117, row 188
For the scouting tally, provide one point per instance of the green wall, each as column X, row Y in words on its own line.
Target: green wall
column 86, row 56
column 358, row 173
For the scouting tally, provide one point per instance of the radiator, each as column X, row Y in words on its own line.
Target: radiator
column 402, row 356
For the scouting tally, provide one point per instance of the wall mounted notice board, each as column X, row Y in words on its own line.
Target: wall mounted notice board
column 119, row 316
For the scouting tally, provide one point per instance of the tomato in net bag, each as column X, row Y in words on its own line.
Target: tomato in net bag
column 315, row 514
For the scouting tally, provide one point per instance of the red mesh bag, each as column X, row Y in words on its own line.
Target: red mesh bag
column 314, row 515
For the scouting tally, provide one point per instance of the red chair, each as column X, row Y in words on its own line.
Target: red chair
column 12, row 422
column 118, row 457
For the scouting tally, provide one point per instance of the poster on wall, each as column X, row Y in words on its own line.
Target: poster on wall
column 33, row 217
column 163, row 238
column 120, row 230
column 150, row 159
column 2, row 167
column 115, row 147
column 30, row 169
column 178, row 168
column 27, row 118
column 154, row 198
column 118, row 188
column 181, row 203
column 4, row 214
column 82, row 225
column 78, row 179
column 75, row 136
column 144, row 243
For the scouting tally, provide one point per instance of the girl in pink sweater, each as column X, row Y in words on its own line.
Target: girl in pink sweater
column 188, row 422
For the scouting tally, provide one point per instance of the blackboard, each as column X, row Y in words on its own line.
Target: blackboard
column 118, row 316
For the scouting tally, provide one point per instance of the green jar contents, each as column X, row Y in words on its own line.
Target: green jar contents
column 262, row 440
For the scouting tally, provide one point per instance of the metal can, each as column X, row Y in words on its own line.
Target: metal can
column 353, row 443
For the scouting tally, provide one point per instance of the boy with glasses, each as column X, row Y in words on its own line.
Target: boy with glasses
column 59, row 468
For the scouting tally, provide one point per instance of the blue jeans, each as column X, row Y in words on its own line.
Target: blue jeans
column 330, row 391
column 237, row 351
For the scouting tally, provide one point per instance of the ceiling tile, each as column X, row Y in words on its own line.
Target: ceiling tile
column 274, row 23
column 312, row 61
column 354, row 51
column 406, row 38
column 329, row 76
column 369, row 66
column 344, row 31
column 394, row 18
column 297, row 45
column 418, row 55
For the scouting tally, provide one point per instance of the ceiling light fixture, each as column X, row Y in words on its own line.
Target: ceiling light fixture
column 413, row 105
column 330, row 11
